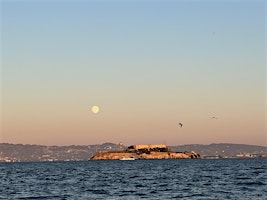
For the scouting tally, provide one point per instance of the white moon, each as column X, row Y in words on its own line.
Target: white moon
column 95, row 109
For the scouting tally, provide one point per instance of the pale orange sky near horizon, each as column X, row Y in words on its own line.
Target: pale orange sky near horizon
column 172, row 62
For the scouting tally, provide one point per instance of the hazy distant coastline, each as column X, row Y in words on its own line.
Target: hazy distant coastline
column 29, row 153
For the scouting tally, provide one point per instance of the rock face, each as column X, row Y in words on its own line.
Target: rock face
column 113, row 155
column 192, row 154
column 138, row 153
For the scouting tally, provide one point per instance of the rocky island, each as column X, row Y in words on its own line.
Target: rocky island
column 144, row 152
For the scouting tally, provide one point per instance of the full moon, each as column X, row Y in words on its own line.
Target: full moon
column 95, row 109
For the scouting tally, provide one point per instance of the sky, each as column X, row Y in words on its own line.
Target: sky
column 148, row 65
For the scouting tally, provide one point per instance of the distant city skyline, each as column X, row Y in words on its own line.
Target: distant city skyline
column 146, row 66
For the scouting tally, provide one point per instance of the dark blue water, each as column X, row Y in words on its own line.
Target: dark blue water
column 139, row 179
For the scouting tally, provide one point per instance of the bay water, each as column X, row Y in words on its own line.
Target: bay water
column 137, row 179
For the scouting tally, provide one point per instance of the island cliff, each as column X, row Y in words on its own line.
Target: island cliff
column 143, row 152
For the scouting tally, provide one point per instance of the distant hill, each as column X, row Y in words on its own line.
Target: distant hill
column 222, row 149
column 27, row 153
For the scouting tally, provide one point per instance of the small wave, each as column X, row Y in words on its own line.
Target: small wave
column 242, row 178
column 44, row 197
column 97, row 191
column 141, row 194
column 257, row 183
column 139, row 186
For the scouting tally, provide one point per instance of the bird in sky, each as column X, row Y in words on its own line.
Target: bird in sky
column 180, row 124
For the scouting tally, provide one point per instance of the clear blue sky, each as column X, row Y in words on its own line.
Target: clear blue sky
column 147, row 64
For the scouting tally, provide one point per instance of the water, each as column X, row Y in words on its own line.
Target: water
column 139, row 179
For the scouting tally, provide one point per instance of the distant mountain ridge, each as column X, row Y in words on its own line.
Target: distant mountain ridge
column 222, row 149
column 28, row 153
